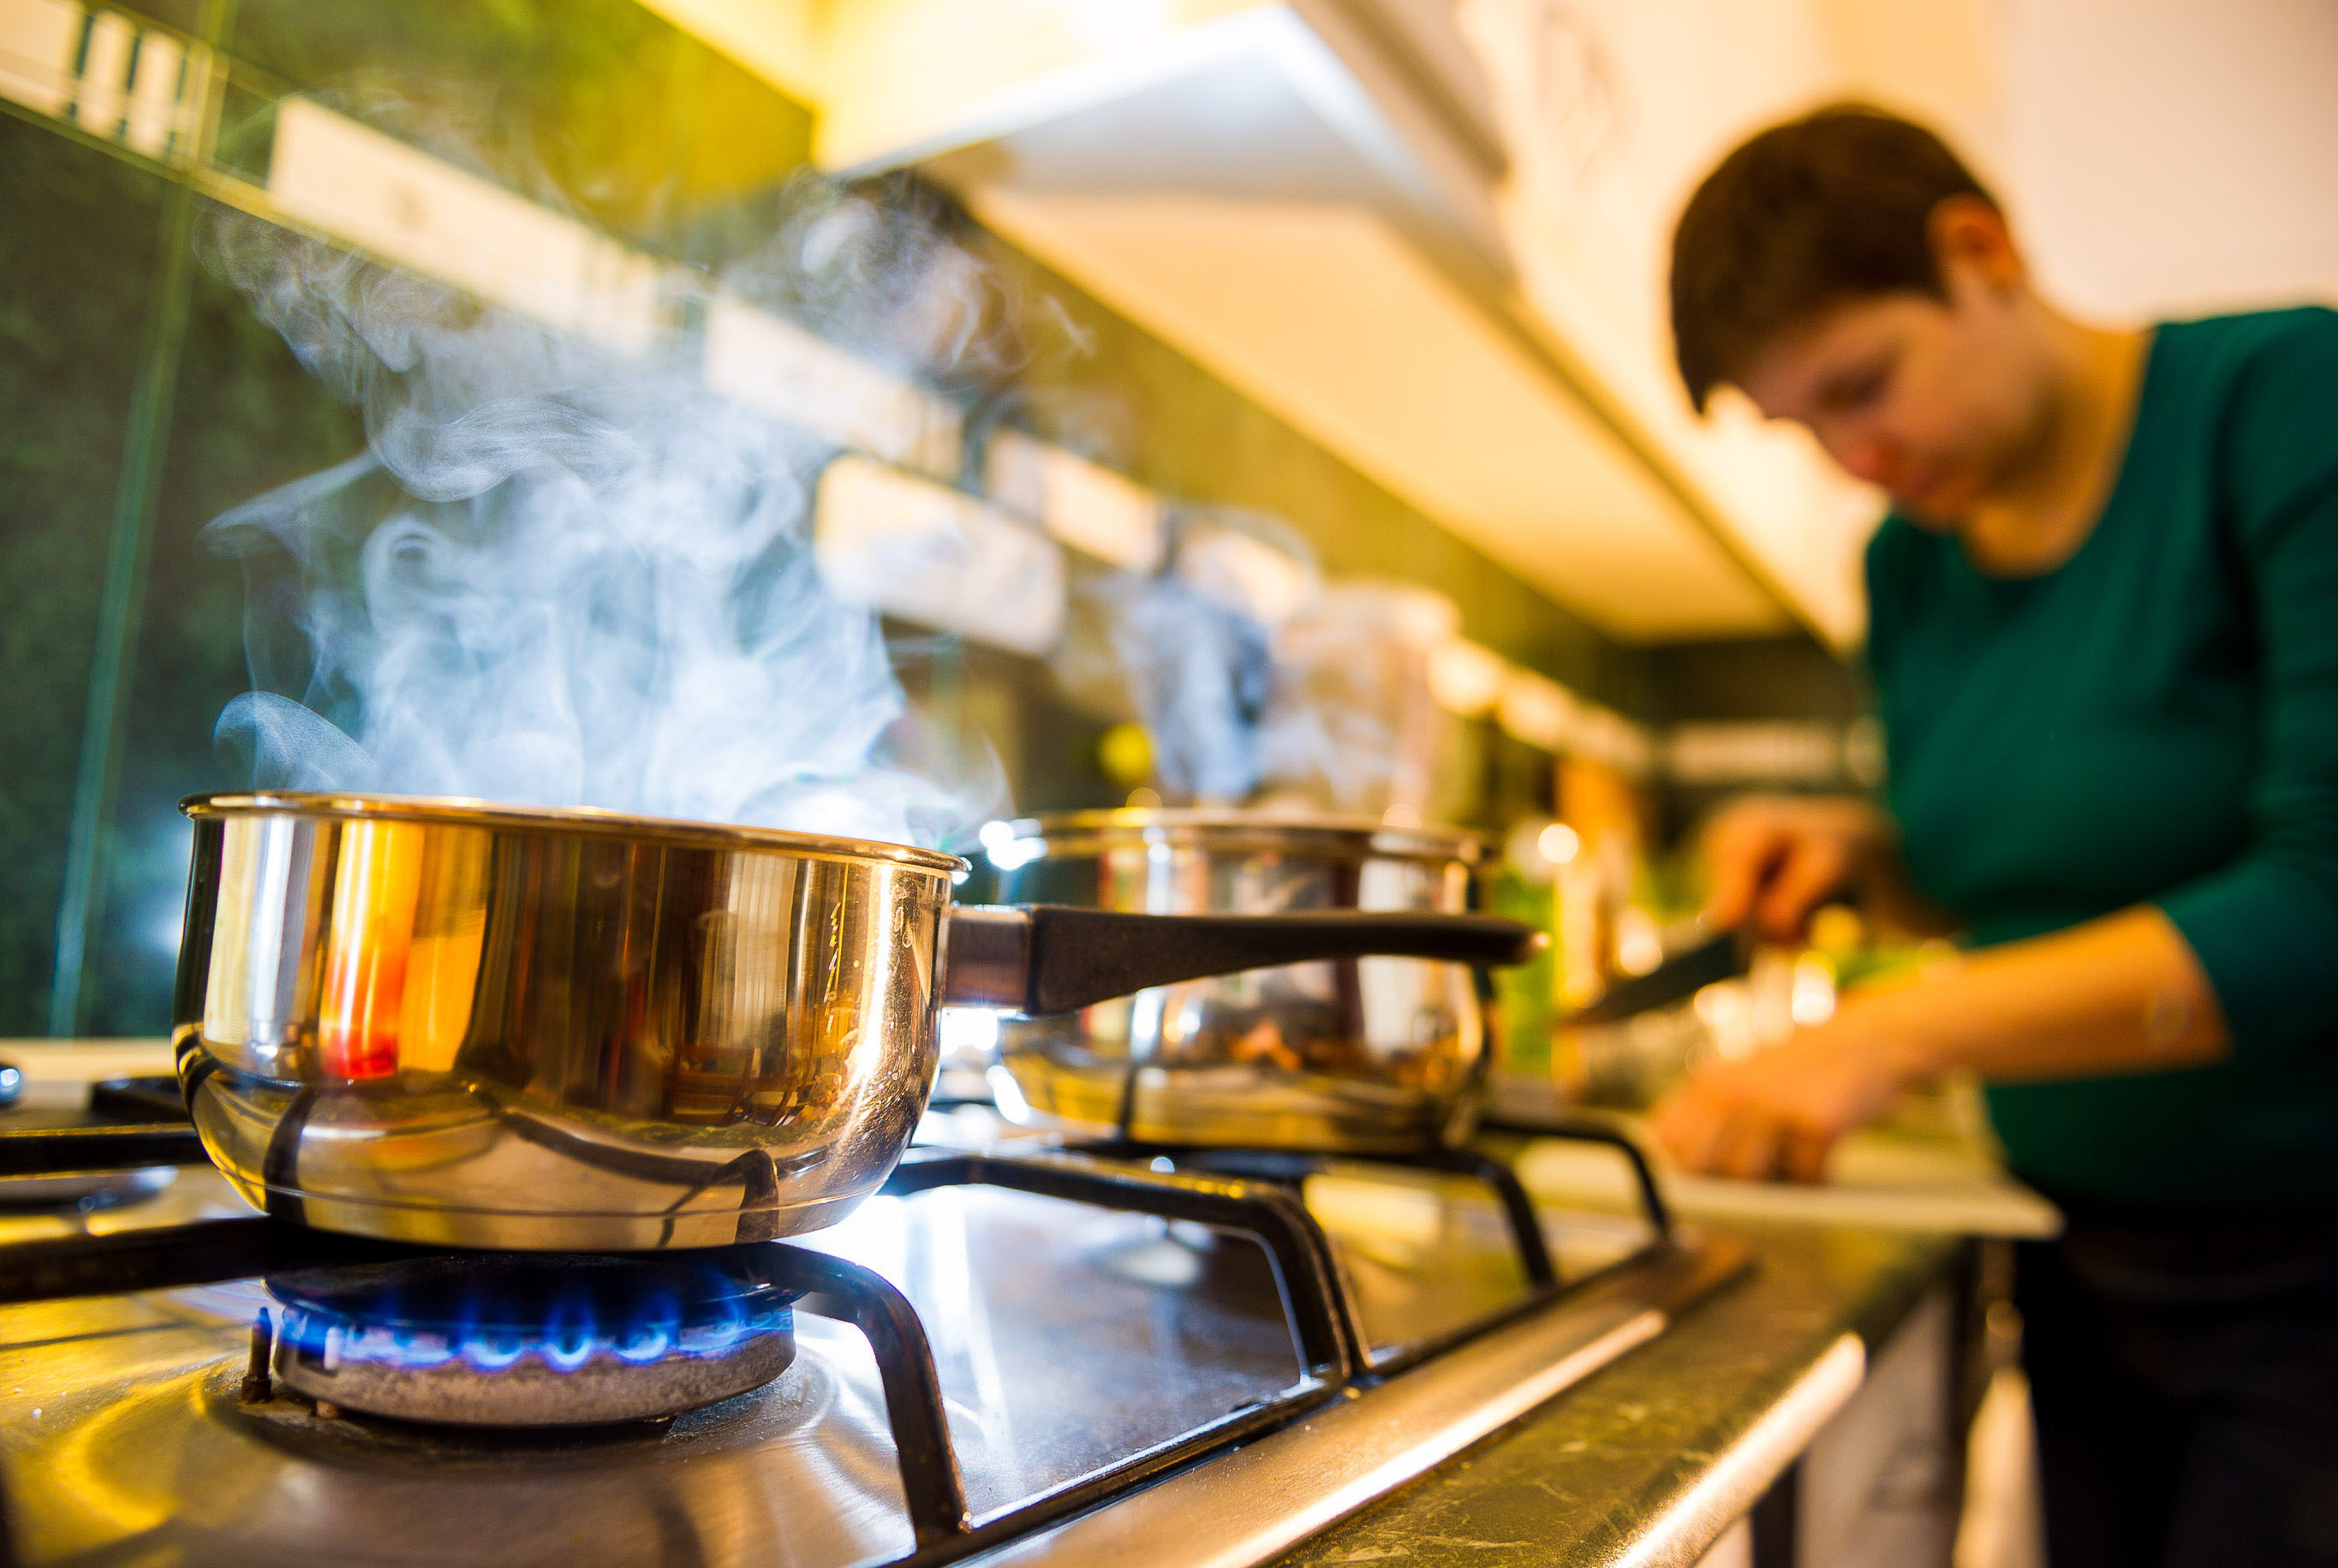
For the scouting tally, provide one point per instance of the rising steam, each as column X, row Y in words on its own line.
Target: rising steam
column 1257, row 682
column 562, row 576
column 1198, row 671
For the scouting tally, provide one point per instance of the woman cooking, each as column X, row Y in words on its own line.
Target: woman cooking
column 2104, row 641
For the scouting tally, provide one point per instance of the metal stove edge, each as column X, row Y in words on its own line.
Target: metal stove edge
column 1243, row 1508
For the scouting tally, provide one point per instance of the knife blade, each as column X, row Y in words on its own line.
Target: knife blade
column 1723, row 956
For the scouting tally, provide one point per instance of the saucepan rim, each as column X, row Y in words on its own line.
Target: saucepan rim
column 584, row 821
column 1357, row 836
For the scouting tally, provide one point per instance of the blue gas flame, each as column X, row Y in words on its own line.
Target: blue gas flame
column 491, row 1331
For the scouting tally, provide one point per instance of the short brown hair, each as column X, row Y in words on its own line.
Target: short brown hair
column 1831, row 207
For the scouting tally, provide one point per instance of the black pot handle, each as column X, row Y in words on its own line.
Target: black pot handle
column 1041, row 958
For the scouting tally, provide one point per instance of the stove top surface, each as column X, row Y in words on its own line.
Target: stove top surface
column 1069, row 1337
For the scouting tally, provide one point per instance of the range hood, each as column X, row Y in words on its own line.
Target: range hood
column 1304, row 197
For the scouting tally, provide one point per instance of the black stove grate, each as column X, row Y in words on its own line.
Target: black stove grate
column 1288, row 1169
column 217, row 1251
column 1251, row 1191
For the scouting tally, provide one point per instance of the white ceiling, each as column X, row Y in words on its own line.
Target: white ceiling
column 1309, row 234
column 1324, row 313
column 1304, row 196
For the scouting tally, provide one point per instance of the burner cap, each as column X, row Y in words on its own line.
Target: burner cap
column 529, row 1339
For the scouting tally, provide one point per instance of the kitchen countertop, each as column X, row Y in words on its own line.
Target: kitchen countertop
column 1621, row 1468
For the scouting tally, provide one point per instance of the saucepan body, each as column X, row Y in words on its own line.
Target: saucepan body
column 471, row 1026
column 466, row 1024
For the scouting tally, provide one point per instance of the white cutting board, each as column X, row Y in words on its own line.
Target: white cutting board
column 1881, row 1180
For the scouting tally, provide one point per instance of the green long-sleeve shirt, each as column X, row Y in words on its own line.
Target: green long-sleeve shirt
column 2156, row 720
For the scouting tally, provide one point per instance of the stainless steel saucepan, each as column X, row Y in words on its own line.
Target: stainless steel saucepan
column 1356, row 1055
column 477, row 1025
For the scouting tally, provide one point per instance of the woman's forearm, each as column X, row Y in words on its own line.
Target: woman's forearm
column 2121, row 993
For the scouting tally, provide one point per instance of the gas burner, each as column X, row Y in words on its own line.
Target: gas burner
column 529, row 1339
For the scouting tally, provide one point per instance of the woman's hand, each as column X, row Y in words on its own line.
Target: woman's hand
column 1773, row 859
column 2121, row 993
column 1778, row 1112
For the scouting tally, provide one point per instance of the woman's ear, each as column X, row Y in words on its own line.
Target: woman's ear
column 1971, row 239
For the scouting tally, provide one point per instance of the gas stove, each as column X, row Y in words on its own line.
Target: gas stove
column 1018, row 1353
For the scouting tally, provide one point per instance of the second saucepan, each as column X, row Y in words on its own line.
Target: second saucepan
column 1339, row 1053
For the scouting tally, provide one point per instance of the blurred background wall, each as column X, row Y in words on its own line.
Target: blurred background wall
column 140, row 397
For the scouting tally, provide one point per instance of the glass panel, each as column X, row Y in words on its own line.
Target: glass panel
column 247, row 418
column 649, row 132
column 186, row 15
column 592, row 105
column 78, row 233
